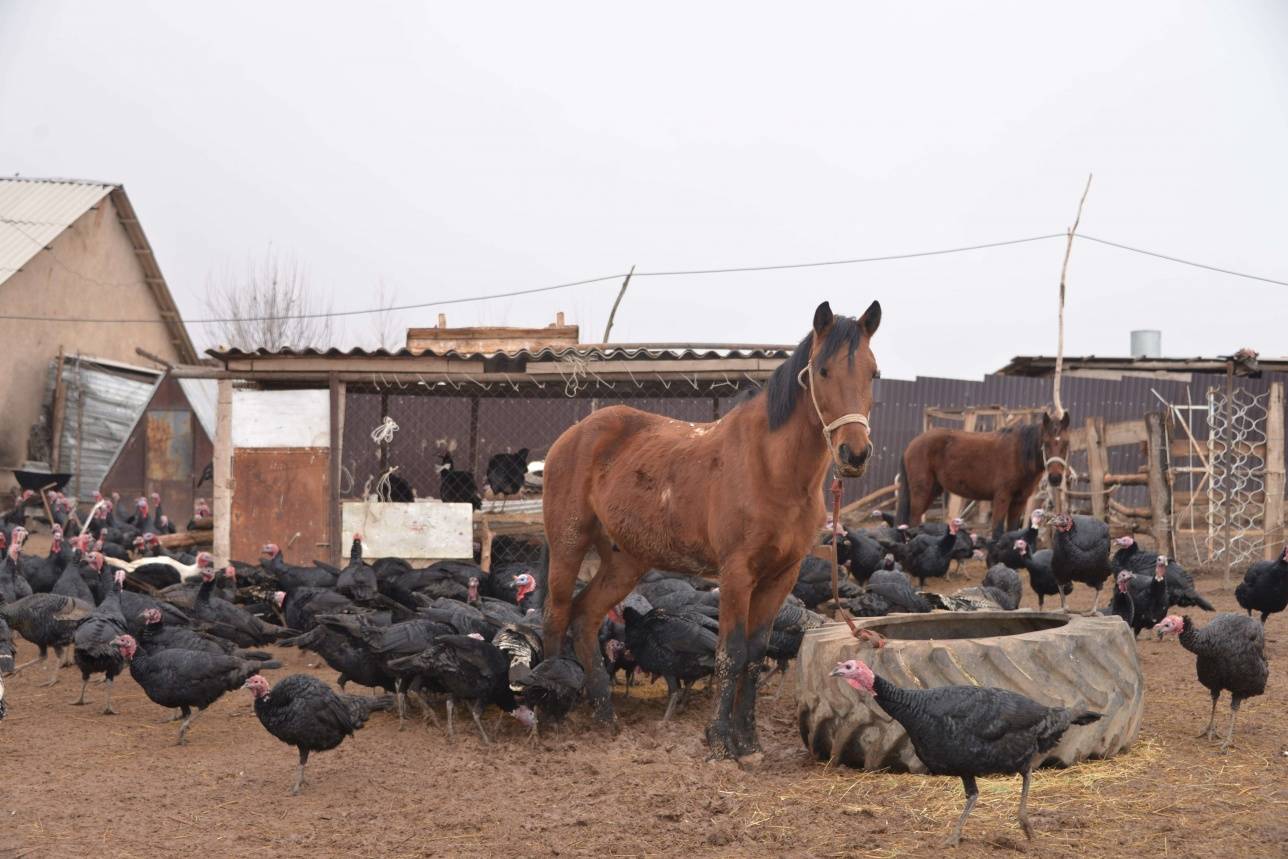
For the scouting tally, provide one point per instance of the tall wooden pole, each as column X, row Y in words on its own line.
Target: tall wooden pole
column 1064, row 271
column 1273, row 519
column 612, row 314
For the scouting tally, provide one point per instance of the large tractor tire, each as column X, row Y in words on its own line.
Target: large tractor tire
column 1053, row 658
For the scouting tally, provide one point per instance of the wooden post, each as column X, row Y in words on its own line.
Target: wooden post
column 80, row 423
column 715, row 408
column 1097, row 464
column 1160, row 497
column 222, row 468
column 485, row 545
column 56, row 416
column 335, row 538
column 956, row 502
column 1229, row 427
column 474, row 440
column 1273, row 520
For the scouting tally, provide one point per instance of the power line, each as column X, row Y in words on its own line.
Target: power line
column 1183, row 261
column 614, row 277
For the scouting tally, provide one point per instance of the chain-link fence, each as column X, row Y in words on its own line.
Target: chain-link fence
column 1236, row 490
column 485, row 443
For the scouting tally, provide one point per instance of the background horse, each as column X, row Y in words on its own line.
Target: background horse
column 1003, row 467
column 741, row 498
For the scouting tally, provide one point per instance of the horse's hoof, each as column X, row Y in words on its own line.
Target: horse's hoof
column 720, row 745
column 751, row 761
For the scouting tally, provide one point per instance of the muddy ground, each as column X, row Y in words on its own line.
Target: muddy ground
column 77, row 783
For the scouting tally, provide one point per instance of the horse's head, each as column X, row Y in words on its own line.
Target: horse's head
column 1055, row 448
column 840, row 370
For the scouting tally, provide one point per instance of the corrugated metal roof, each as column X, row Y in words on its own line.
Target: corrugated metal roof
column 203, row 396
column 112, row 401
column 634, row 352
column 34, row 211
column 1044, row 365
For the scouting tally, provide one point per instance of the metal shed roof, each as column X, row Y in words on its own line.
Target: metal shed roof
column 585, row 351
column 34, row 212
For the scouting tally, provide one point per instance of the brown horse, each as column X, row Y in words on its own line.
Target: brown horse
column 1003, row 467
column 741, row 498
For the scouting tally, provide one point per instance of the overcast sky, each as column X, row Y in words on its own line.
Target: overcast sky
column 456, row 150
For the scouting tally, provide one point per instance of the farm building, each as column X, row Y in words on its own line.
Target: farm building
column 307, row 426
column 71, row 253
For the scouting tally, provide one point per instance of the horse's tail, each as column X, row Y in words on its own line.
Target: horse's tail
column 902, row 501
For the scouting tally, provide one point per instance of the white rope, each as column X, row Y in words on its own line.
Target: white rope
column 385, row 431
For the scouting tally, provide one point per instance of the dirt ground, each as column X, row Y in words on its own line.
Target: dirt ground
column 77, row 783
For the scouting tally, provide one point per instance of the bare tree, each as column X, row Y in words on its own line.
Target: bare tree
column 268, row 306
column 384, row 322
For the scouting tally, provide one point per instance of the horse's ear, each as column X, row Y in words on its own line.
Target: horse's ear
column 822, row 317
column 1064, row 421
column 871, row 319
column 1046, row 421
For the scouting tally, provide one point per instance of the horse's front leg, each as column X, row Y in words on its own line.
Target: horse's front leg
column 1001, row 513
column 731, row 658
column 765, row 603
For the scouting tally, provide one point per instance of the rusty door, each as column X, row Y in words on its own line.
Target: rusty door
column 167, row 465
column 279, row 493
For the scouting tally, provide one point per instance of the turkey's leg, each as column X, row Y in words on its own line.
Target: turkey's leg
column 1024, row 814
column 41, row 657
column 1211, row 725
column 108, row 709
column 53, row 672
column 1064, row 602
column 1095, row 604
column 401, row 701
column 81, row 699
column 451, row 733
column 183, row 729
column 675, row 690
column 972, row 796
column 1229, row 735
column 299, row 774
column 475, row 710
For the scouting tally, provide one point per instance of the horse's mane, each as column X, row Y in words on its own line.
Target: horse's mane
column 1029, row 438
column 782, row 389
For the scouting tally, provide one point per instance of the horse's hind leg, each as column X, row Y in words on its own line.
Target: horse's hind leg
column 618, row 573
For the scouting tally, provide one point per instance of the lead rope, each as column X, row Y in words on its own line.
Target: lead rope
column 836, row 536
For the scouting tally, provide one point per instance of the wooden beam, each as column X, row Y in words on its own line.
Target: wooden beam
column 955, row 502
column 223, row 489
column 334, row 537
column 1097, row 464
column 473, row 457
column 1128, row 479
column 1273, row 518
column 1160, row 494
column 57, row 414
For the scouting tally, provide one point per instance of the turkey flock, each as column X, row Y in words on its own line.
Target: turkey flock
column 108, row 598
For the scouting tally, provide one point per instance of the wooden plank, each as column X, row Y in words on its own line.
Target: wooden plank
column 1273, row 519
column 473, row 457
column 1097, row 465
column 281, row 496
column 357, row 364
column 418, row 530
column 297, row 418
column 643, row 368
column 222, row 467
column 485, row 546
column 1160, row 494
column 1128, row 479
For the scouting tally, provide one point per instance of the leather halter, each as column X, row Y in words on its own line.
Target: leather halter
column 829, row 428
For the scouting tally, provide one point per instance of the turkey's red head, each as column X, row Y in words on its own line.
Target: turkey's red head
column 151, row 616
column 257, row 685
column 56, row 540
column 156, row 499
column 119, row 578
column 126, row 644
column 142, row 505
column 26, row 493
column 231, row 572
column 857, row 674
column 200, row 509
column 96, row 560
column 613, row 649
column 279, row 597
column 954, row 526
column 1126, row 541
column 473, row 589
column 524, row 584
column 98, row 496
column 1063, row 523
column 140, row 543
column 1173, row 624
column 150, row 538
column 206, row 566
column 3, row 541
column 1160, row 567
column 1022, row 547
column 1124, row 579
column 527, row 718
column 270, row 550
